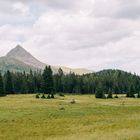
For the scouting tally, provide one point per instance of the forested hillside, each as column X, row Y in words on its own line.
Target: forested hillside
column 100, row 83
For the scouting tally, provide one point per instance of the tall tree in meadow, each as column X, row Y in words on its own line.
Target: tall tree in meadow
column 47, row 81
column 8, row 83
column 58, row 81
column 131, row 92
column 1, row 85
column 99, row 92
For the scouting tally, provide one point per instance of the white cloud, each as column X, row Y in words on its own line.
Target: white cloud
column 95, row 34
column 20, row 7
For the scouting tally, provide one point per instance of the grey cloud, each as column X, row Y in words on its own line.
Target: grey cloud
column 104, row 33
column 126, row 9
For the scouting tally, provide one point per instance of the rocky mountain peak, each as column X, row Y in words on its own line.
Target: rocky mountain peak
column 21, row 58
column 22, row 55
column 18, row 51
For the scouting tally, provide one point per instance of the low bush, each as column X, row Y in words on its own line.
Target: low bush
column 37, row 96
column 43, row 96
column 116, row 96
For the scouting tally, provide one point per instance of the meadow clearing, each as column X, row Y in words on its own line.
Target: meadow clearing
column 23, row 117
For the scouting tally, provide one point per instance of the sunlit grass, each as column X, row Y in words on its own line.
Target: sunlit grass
column 23, row 117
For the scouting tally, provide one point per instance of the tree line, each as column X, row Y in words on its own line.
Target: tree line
column 103, row 84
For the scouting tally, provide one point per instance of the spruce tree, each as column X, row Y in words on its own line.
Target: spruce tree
column 31, row 82
column 8, row 83
column 1, row 85
column 131, row 92
column 138, row 95
column 24, row 84
column 109, row 94
column 99, row 92
column 47, row 81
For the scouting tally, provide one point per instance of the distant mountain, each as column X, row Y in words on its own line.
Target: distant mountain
column 22, row 55
column 18, row 59
column 14, row 65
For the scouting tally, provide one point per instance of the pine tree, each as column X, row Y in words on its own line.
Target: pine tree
column 47, row 81
column 99, row 92
column 24, row 84
column 31, row 82
column 1, row 85
column 131, row 92
column 109, row 94
column 8, row 83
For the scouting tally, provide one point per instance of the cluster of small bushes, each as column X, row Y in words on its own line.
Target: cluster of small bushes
column 110, row 96
column 42, row 96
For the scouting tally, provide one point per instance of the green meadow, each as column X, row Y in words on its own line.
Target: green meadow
column 23, row 117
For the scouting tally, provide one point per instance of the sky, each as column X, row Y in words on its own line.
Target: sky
column 92, row 34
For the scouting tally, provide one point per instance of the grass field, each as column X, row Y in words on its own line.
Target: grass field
column 23, row 117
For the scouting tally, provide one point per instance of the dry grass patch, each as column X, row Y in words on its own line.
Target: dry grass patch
column 24, row 117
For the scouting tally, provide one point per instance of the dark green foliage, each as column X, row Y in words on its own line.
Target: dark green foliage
column 52, row 96
column 138, row 95
column 1, row 85
column 131, row 92
column 100, row 83
column 8, row 83
column 109, row 94
column 47, row 81
column 99, row 92
column 49, row 96
column 116, row 96
column 37, row 96
column 58, row 80
column 31, row 82
column 43, row 96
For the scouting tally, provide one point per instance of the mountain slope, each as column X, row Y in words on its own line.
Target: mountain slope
column 14, row 65
column 18, row 59
column 22, row 55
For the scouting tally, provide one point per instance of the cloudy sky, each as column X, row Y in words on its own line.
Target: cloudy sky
column 94, row 34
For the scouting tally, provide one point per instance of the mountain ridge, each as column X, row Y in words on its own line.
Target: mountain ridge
column 18, row 59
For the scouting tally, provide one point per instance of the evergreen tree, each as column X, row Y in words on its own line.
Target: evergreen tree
column 58, row 81
column 109, row 94
column 31, row 82
column 99, row 92
column 131, row 92
column 24, row 84
column 47, row 81
column 8, row 83
column 138, row 95
column 1, row 85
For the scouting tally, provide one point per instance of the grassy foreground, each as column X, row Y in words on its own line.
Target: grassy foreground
column 22, row 117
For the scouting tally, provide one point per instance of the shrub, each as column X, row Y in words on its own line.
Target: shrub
column 116, row 96
column 48, row 97
column 109, row 96
column 43, row 96
column 37, row 96
column 52, row 96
